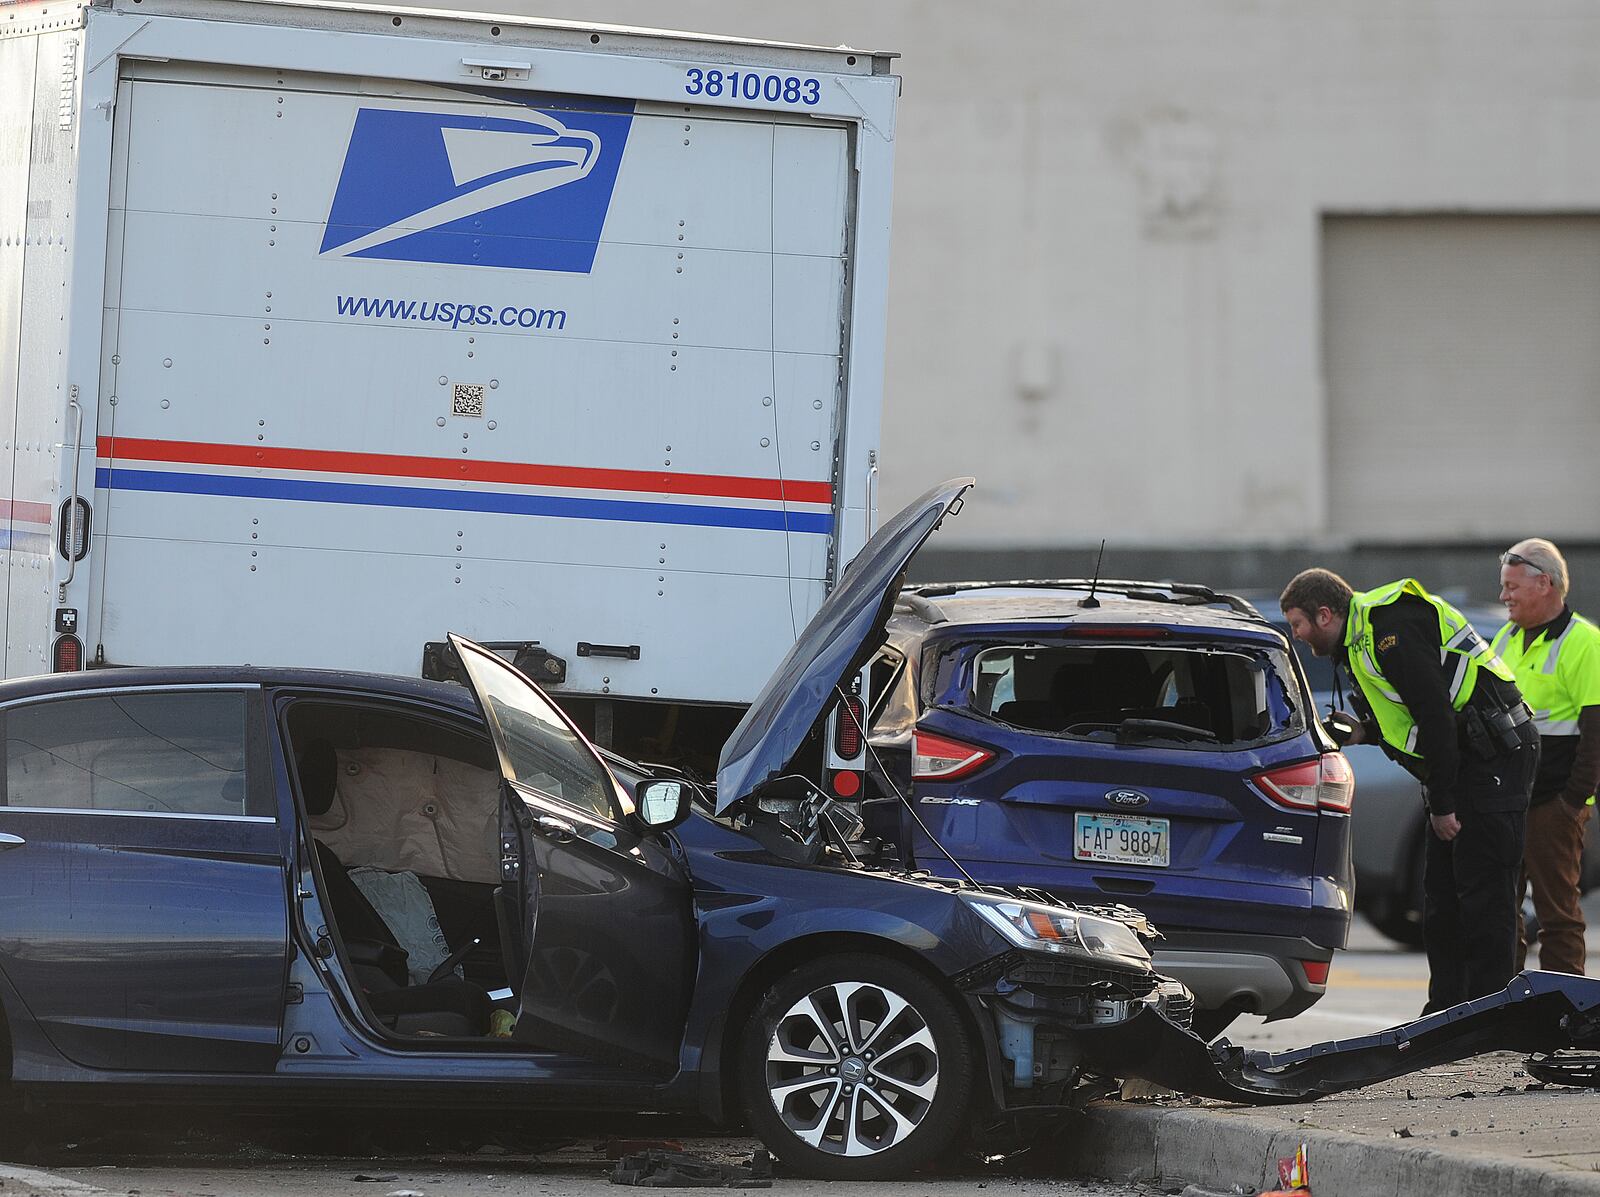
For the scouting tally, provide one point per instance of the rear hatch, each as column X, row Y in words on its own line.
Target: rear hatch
column 1142, row 764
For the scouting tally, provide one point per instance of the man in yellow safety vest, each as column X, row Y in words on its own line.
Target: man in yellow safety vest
column 1439, row 702
column 1555, row 655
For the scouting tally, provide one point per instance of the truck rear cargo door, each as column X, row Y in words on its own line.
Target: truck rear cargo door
column 521, row 366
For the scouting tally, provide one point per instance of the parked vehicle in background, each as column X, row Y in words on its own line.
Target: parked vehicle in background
column 1149, row 743
column 619, row 948
column 371, row 322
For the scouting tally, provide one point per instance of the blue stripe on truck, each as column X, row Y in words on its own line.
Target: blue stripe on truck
column 429, row 498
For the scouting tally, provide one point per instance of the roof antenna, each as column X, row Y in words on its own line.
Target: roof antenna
column 1091, row 601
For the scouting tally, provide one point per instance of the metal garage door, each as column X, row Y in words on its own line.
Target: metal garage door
column 1463, row 374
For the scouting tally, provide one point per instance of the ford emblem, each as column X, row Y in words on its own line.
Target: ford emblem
column 1127, row 798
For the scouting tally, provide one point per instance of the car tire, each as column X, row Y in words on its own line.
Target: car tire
column 856, row 1067
column 1402, row 920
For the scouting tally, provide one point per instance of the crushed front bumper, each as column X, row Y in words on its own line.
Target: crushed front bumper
column 1036, row 1007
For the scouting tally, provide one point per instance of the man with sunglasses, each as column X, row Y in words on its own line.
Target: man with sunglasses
column 1555, row 654
column 1431, row 692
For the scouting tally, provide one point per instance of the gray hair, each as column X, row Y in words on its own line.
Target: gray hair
column 1545, row 558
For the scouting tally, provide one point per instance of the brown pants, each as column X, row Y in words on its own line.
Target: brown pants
column 1551, row 861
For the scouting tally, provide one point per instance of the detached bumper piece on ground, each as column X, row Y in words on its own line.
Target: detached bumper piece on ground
column 1539, row 1013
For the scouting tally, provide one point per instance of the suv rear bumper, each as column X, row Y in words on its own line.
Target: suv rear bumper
column 1252, row 974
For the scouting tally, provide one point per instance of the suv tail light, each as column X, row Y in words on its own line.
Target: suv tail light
column 1316, row 971
column 939, row 758
column 847, row 728
column 1326, row 783
column 1338, row 788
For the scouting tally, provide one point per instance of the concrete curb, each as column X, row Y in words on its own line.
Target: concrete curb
column 1214, row 1150
column 21, row 1181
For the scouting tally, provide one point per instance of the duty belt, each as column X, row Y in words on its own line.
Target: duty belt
column 1488, row 733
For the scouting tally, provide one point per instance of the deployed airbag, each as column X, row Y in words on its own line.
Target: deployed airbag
column 408, row 912
column 403, row 811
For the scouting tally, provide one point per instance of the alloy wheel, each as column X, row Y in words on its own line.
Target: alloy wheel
column 852, row 1068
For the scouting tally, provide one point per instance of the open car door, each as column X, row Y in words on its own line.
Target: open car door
column 607, row 921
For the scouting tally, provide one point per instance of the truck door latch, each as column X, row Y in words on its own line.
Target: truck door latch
column 495, row 70
column 624, row 652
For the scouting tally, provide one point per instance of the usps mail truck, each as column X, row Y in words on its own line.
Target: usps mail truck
column 327, row 329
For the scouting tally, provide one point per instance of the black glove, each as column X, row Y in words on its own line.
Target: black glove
column 1340, row 727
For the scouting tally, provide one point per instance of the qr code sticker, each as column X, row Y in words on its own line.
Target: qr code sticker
column 468, row 400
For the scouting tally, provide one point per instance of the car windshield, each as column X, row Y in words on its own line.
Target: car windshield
column 1231, row 696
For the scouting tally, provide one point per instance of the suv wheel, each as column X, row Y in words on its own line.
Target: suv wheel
column 856, row 1068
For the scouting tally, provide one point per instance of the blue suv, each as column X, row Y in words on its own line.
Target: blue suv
column 1132, row 742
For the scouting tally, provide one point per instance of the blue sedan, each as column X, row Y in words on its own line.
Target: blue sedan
column 300, row 887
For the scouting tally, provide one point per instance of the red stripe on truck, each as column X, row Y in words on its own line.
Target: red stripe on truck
column 394, row 465
column 17, row 511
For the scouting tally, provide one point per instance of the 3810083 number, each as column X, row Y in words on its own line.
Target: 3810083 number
column 752, row 85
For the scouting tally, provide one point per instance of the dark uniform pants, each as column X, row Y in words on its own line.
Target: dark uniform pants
column 1470, row 884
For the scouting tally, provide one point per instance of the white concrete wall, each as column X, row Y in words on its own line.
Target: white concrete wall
column 1105, row 294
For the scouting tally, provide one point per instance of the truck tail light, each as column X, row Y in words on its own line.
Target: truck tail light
column 67, row 655
column 1325, row 783
column 847, row 728
column 72, row 529
column 940, row 758
column 1316, row 971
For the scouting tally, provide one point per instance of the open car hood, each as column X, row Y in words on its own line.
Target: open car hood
column 844, row 633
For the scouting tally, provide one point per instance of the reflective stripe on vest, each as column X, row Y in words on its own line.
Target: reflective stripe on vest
column 1555, row 646
column 1555, row 703
column 1462, row 653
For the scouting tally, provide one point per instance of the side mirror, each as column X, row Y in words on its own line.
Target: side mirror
column 663, row 804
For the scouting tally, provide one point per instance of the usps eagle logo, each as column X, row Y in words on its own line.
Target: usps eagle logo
column 528, row 191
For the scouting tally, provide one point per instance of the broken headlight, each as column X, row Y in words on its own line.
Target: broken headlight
column 1042, row 928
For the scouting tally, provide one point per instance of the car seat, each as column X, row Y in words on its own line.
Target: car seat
column 1119, row 685
column 1033, row 714
column 444, row 1007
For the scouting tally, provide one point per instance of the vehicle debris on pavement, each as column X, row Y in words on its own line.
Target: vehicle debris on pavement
column 658, row 1169
column 1538, row 1012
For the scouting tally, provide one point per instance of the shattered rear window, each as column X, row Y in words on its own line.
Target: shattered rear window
column 1205, row 696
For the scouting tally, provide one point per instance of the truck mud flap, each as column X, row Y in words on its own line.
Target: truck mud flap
column 1537, row 1012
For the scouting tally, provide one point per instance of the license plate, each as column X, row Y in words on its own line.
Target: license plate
column 1122, row 839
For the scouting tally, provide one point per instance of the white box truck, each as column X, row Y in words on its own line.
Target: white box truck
column 327, row 329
